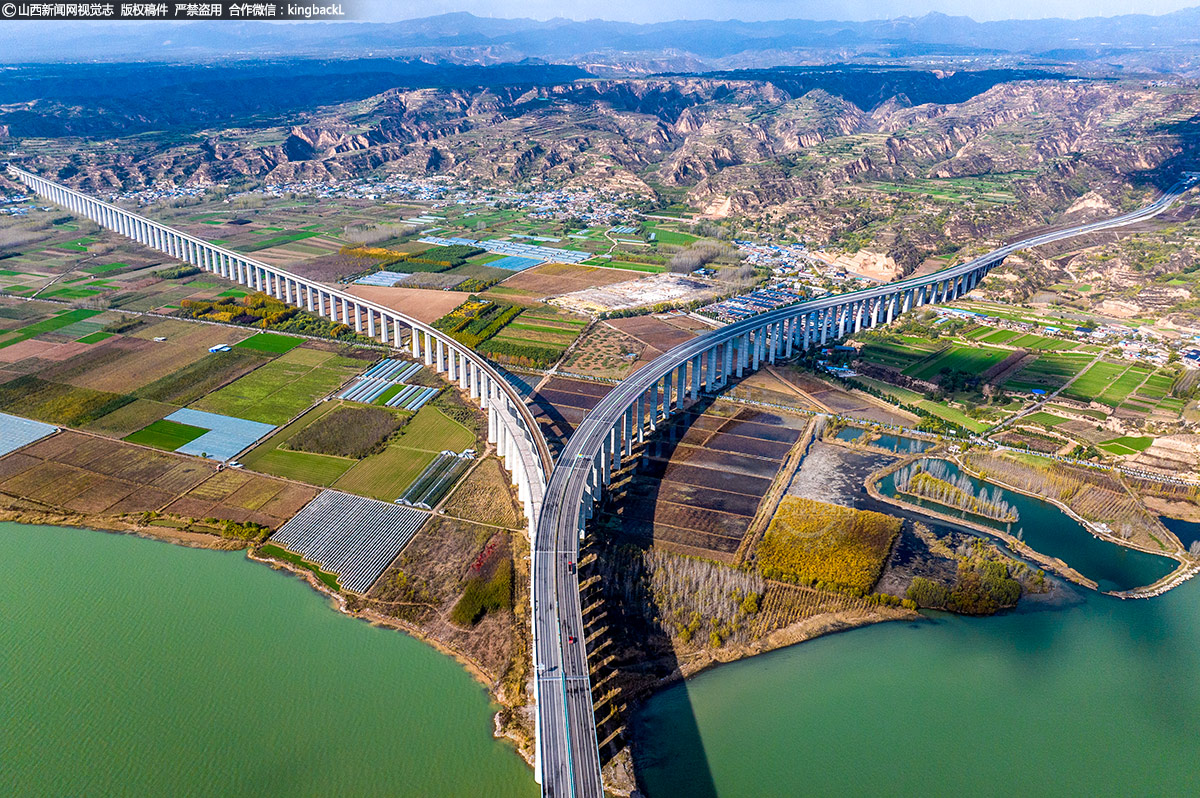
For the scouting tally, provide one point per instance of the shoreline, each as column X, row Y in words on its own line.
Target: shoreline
column 1055, row 564
column 198, row 540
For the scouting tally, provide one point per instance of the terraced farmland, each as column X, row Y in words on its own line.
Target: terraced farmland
column 350, row 536
column 975, row 360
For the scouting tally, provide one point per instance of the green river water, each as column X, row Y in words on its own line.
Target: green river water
column 1098, row 698
column 131, row 667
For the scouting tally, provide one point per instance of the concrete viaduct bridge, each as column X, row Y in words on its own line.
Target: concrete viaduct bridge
column 511, row 426
column 568, row 757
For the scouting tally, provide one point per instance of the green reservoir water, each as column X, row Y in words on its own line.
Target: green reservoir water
column 130, row 667
column 1052, row 532
column 1098, row 698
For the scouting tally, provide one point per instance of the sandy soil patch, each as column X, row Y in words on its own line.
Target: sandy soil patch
column 30, row 348
column 420, row 304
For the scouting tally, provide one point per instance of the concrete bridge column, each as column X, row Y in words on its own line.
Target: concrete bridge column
column 371, row 322
column 726, row 362
column 308, row 298
column 755, row 345
column 790, row 338
column 491, row 433
column 772, row 343
column 696, row 366
column 383, row 328
column 627, row 418
column 451, row 363
column 428, row 343
column 743, row 347
column 641, row 418
column 356, row 309
column 681, row 384
column 666, row 400
column 439, row 356
column 652, row 406
column 710, row 383
column 396, row 338
column 606, row 458
column 464, row 375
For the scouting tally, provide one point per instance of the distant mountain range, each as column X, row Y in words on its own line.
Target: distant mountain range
column 642, row 47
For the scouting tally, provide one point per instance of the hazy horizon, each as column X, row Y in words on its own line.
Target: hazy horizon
column 763, row 10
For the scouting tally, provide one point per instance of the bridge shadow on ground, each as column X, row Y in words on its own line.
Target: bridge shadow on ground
column 631, row 653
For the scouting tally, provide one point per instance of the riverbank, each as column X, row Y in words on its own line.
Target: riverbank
column 1188, row 567
column 140, row 669
column 1016, row 545
column 510, row 723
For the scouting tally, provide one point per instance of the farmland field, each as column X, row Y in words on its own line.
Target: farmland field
column 384, row 476
column 485, row 496
column 167, row 435
column 1050, row 371
column 958, row 358
column 1045, row 419
column 1126, row 384
column 271, row 342
column 898, row 355
column 1126, row 445
column 1095, row 381
column 85, row 474
column 276, row 392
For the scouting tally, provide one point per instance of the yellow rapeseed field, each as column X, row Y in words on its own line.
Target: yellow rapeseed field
column 814, row 543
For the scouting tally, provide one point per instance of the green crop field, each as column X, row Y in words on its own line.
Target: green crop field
column 271, row 342
column 316, row 469
column 895, row 354
column 1045, row 419
column 1032, row 341
column 995, row 336
column 386, row 475
column 108, row 267
column 95, row 338
column 957, row 358
column 163, row 434
column 673, row 238
column 277, row 391
column 48, row 325
column 1124, row 385
column 1095, row 381
column 433, row 431
column 1126, row 445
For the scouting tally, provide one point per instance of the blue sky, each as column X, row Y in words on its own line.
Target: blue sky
column 662, row 10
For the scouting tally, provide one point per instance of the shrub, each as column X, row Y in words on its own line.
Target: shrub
column 810, row 541
column 347, row 432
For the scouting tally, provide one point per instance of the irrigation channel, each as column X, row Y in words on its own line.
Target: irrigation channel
column 139, row 668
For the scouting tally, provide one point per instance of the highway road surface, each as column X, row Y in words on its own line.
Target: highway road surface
column 569, row 755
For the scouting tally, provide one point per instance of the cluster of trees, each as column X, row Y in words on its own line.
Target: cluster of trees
column 177, row 272
column 810, row 542
column 515, row 354
column 982, row 587
column 260, row 310
column 689, row 599
column 477, row 320
column 353, row 432
column 931, row 479
column 698, row 254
